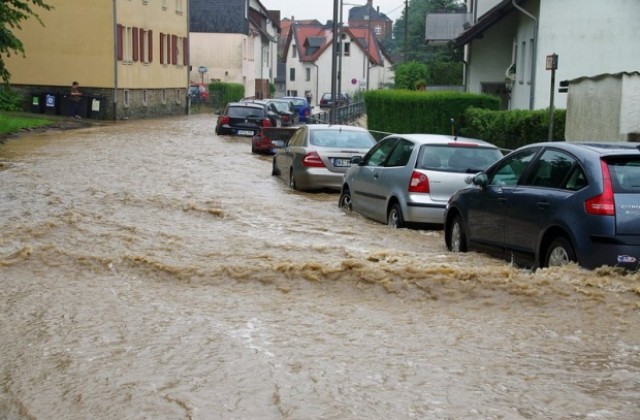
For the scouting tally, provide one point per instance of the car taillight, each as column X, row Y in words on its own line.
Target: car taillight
column 602, row 204
column 419, row 183
column 224, row 119
column 312, row 159
column 266, row 122
column 285, row 118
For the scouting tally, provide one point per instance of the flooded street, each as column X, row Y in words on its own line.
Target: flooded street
column 153, row 270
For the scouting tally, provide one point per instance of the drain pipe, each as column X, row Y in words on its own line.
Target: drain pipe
column 115, row 60
column 534, row 55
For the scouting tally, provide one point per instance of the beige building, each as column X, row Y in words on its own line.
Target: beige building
column 130, row 58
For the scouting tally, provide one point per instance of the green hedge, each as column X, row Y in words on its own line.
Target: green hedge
column 405, row 111
column 222, row 93
column 512, row 129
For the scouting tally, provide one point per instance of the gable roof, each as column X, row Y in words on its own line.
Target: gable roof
column 486, row 21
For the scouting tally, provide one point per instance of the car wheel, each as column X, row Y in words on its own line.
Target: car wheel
column 560, row 253
column 292, row 180
column 345, row 199
column 458, row 236
column 395, row 219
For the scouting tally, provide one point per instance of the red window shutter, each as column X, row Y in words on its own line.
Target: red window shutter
column 185, row 51
column 143, row 34
column 134, row 36
column 119, row 43
column 161, row 48
column 174, row 49
column 150, row 46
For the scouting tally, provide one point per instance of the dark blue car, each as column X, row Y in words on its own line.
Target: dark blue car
column 548, row 204
column 302, row 106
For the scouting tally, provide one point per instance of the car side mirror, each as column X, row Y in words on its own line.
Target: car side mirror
column 481, row 179
column 356, row 160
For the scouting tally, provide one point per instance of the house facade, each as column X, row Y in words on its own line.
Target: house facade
column 508, row 41
column 367, row 16
column 234, row 41
column 363, row 64
column 130, row 58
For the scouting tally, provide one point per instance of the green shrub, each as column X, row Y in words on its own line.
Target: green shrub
column 9, row 100
column 222, row 93
column 404, row 111
column 512, row 129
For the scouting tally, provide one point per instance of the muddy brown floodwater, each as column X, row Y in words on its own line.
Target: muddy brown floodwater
column 152, row 270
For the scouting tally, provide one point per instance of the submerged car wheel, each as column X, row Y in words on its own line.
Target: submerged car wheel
column 458, row 237
column 560, row 253
column 345, row 199
column 395, row 219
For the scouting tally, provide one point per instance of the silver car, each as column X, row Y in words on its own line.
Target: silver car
column 408, row 178
column 318, row 155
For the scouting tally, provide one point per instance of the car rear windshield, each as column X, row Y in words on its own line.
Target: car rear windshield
column 342, row 139
column 457, row 158
column 298, row 102
column 281, row 106
column 245, row 112
column 625, row 174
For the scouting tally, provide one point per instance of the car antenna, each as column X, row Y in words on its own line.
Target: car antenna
column 453, row 129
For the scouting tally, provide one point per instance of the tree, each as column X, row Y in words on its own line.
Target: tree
column 12, row 12
column 411, row 75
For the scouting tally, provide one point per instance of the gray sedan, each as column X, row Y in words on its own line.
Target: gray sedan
column 318, row 155
column 408, row 178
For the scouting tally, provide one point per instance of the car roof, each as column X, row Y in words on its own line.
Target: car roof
column 420, row 138
column 600, row 148
column 318, row 127
column 246, row 104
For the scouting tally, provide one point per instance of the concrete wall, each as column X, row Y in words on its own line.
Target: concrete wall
column 630, row 106
column 593, row 110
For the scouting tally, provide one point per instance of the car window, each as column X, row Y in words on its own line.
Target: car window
column 342, row 138
column 457, row 158
column 552, row 170
column 400, row 154
column 511, row 168
column 298, row 138
column 245, row 111
column 625, row 174
column 379, row 153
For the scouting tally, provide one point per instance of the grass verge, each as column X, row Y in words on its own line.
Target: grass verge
column 11, row 123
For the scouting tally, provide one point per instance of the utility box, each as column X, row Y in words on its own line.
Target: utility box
column 37, row 103
column 51, row 104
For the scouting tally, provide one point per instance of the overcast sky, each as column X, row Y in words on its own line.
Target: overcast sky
column 322, row 10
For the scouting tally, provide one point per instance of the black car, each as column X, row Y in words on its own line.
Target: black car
column 272, row 113
column 341, row 100
column 242, row 119
column 286, row 109
column 549, row 204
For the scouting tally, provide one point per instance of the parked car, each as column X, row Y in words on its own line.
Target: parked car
column 325, row 100
column 272, row 113
column 408, row 178
column 317, row 155
column 268, row 139
column 286, row 109
column 302, row 106
column 198, row 94
column 242, row 119
column 549, row 204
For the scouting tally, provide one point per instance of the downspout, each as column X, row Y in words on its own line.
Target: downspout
column 317, row 81
column 534, row 55
column 115, row 59
column 188, row 63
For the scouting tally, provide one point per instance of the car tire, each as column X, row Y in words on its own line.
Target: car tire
column 345, row 199
column 292, row 180
column 394, row 218
column 457, row 236
column 559, row 253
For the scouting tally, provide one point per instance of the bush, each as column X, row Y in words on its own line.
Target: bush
column 9, row 100
column 404, row 111
column 512, row 129
column 222, row 93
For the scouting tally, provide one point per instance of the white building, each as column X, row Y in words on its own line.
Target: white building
column 508, row 41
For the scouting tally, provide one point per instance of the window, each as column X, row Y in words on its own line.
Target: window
column 164, row 4
column 126, row 98
column 294, row 51
column 145, row 97
column 531, row 50
column 347, row 49
column 165, row 49
column 307, row 76
column 510, row 170
column 552, row 170
column 401, row 154
column 179, row 6
column 146, row 46
column 523, row 61
column 178, row 96
column 377, row 30
column 128, row 45
column 292, row 74
column 164, row 96
column 377, row 155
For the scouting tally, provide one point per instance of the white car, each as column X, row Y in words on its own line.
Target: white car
column 408, row 178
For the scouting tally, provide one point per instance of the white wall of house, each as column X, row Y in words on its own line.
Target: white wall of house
column 222, row 54
column 305, row 75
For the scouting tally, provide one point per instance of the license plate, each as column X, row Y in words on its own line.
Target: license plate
column 245, row 133
column 341, row 162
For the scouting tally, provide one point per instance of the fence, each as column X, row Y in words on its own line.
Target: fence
column 344, row 114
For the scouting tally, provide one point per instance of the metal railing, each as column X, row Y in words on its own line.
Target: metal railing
column 344, row 114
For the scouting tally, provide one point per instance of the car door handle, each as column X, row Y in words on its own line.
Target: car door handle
column 543, row 205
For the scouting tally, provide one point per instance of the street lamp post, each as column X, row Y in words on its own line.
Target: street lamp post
column 334, row 62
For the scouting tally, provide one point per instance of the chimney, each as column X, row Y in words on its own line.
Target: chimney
column 370, row 3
